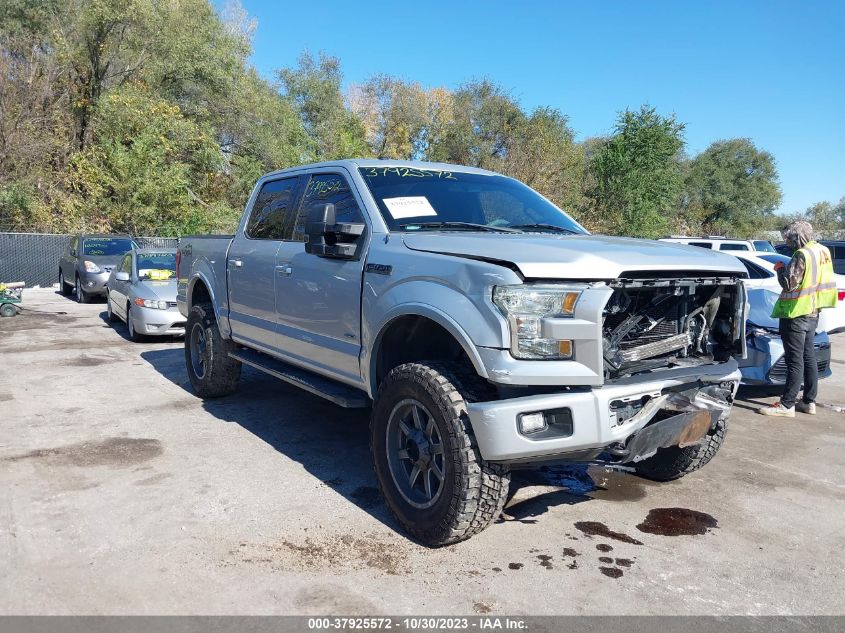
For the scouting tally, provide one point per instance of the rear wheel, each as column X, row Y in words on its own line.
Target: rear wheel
column 426, row 460
column 212, row 372
column 675, row 462
column 8, row 310
column 64, row 288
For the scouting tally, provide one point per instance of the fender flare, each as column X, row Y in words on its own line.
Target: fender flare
column 431, row 313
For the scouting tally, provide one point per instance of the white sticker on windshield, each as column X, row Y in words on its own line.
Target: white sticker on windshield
column 409, row 207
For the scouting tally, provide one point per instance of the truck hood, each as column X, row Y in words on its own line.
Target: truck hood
column 549, row 256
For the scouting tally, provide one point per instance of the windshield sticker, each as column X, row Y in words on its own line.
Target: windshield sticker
column 409, row 207
column 408, row 172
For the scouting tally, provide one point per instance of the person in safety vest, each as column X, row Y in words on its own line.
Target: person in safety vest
column 808, row 286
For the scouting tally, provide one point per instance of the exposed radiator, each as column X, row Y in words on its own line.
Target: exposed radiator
column 657, row 348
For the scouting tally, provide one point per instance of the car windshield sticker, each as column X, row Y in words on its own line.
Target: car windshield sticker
column 409, row 207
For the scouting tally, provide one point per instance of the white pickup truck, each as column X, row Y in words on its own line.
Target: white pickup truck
column 484, row 326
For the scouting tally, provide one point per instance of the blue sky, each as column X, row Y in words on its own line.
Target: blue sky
column 771, row 71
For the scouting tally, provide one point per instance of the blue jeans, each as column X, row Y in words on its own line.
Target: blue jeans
column 800, row 356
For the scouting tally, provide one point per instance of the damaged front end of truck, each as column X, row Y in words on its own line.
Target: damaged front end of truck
column 653, row 325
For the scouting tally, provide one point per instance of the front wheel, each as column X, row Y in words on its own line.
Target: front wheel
column 81, row 295
column 110, row 315
column 674, row 462
column 64, row 289
column 212, row 372
column 425, row 457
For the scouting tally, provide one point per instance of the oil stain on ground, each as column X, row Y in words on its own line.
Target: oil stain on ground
column 84, row 360
column 545, row 561
column 677, row 522
column 118, row 452
column 611, row 572
column 594, row 528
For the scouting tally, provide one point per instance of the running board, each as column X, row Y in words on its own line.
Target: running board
column 337, row 392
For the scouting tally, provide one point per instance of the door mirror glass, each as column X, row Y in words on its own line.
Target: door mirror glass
column 325, row 237
column 121, row 276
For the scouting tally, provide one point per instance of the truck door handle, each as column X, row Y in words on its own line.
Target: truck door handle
column 284, row 270
column 237, row 263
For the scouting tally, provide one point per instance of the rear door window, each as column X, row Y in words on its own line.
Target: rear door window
column 707, row 245
column 734, row 247
column 271, row 215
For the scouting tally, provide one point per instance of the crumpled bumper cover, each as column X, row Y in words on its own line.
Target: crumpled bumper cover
column 676, row 419
column 681, row 407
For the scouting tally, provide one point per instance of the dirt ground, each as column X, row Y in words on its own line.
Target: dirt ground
column 123, row 493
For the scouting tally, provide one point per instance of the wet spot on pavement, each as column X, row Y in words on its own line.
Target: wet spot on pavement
column 594, row 528
column 624, row 562
column 605, row 559
column 611, row 572
column 515, row 565
column 114, row 451
column 545, row 561
column 604, row 547
column 568, row 551
column 677, row 522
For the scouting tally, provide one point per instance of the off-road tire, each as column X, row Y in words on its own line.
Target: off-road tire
column 64, row 289
column 474, row 491
column 675, row 462
column 222, row 372
column 8, row 310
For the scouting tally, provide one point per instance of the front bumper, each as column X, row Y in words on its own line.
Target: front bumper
column 154, row 322
column 766, row 364
column 596, row 421
column 94, row 283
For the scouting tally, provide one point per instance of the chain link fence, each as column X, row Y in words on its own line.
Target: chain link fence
column 34, row 257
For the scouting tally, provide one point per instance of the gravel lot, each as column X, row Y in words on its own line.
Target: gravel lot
column 122, row 493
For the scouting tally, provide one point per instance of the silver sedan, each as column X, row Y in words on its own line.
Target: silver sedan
column 141, row 290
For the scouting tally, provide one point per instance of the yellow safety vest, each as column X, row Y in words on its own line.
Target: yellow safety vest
column 817, row 289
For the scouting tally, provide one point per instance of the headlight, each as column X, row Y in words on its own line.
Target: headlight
column 525, row 307
column 91, row 267
column 151, row 303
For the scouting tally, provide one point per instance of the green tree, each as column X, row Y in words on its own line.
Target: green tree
column 543, row 154
column 147, row 169
column 484, row 121
column 637, row 173
column 732, row 187
column 314, row 86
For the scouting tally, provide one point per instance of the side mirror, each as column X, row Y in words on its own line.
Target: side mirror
column 324, row 237
column 121, row 276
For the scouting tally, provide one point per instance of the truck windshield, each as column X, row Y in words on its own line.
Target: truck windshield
column 106, row 246
column 412, row 199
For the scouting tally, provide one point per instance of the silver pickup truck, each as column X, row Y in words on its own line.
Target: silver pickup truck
column 484, row 326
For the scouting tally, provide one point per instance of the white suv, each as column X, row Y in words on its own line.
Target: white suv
column 719, row 243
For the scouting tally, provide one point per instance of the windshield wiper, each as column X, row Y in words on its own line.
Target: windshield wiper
column 547, row 227
column 469, row 226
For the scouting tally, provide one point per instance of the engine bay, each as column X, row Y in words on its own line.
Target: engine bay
column 660, row 323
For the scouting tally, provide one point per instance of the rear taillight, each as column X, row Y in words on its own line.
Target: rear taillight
column 842, row 295
column 178, row 259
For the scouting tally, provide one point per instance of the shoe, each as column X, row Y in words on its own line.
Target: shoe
column 806, row 407
column 777, row 410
